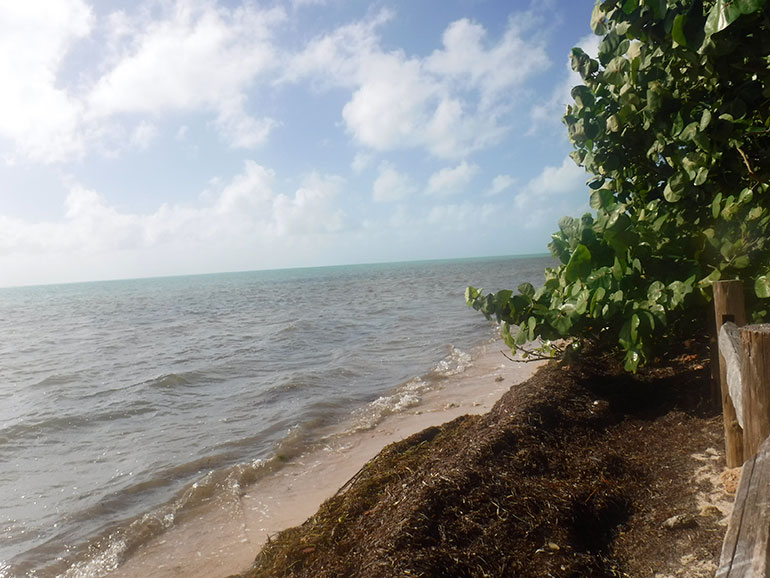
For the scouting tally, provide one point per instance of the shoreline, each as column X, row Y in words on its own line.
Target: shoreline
column 223, row 536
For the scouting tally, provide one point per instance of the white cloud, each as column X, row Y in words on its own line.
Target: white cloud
column 551, row 111
column 361, row 162
column 555, row 192
column 335, row 59
column 199, row 57
column 242, row 131
column 392, row 105
column 186, row 56
column 466, row 60
column 143, row 135
column 310, row 210
column 391, row 185
column 452, row 180
column 451, row 103
column 461, row 217
column 499, row 184
column 36, row 114
column 247, row 214
column 557, row 180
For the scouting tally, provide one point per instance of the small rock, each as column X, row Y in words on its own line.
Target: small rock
column 499, row 378
column 679, row 522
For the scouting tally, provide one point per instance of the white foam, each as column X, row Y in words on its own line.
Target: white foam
column 406, row 396
column 104, row 562
column 456, row 362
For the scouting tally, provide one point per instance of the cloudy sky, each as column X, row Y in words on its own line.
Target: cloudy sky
column 164, row 137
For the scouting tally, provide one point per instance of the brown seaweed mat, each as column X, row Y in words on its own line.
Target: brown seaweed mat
column 570, row 474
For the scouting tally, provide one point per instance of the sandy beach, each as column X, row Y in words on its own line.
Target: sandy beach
column 223, row 536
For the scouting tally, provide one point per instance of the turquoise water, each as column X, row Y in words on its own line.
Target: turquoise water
column 134, row 400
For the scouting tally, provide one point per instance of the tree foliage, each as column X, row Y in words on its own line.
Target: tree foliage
column 673, row 124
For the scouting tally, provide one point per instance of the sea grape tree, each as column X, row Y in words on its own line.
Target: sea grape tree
column 672, row 124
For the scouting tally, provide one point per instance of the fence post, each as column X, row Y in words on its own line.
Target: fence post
column 755, row 375
column 729, row 305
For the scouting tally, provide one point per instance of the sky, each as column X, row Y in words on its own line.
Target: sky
column 169, row 137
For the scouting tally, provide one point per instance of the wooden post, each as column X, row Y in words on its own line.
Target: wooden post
column 746, row 547
column 755, row 376
column 729, row 305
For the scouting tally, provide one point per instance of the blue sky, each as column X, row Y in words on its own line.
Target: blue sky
column 173, row 137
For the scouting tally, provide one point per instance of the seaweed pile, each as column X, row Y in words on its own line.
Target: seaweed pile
column 570, row 474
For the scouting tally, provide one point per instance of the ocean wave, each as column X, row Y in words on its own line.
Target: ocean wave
column 456, row 362
column 409, row 394
column 56, row 379
column 45, row 427
column 106, row 553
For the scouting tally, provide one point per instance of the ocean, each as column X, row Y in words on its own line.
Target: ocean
column 124, row 404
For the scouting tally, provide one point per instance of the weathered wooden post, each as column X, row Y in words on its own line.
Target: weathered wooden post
column 729, row 305
column 755, row 377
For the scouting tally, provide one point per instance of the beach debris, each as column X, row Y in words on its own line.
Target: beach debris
column 680, row 522
column 600, row 405
column 549, row 548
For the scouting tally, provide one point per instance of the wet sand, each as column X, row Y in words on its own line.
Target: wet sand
column 223, row 536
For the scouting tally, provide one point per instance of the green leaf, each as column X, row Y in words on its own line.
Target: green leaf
column 632, row 361
column 655, row 291
column 508, row 339
column 634, row 328
column 598, row 20
column 677, row 32
column 596, row 299
column 630, row 5
column 724, row 13
column 749, row 6
column 701, row 176
column 527, row 289
column 675, row 188
column 741, row 262
column 708, row 280
column 689, row 132
column 654, row 97
column 582, row 96
column 579, row 265
column 716, row 205
column 658, row 7
column 471, row 294
column 762, row 286
column 705, row 120
column 531, row 324
column 746, row 196
column 600, row 199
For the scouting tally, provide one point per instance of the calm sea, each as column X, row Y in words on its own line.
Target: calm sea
column 124, row 403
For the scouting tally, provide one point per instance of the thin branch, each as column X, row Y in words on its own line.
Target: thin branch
column 746, row 162
column 531, row 355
